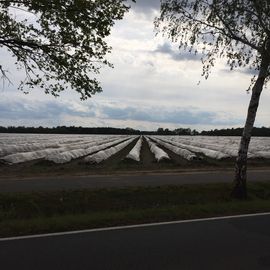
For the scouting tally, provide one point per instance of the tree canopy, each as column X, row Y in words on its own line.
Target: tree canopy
column 59, row 43
column 237, row 30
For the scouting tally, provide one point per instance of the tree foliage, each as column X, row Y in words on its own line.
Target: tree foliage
column 59, row 43
column 237, row 30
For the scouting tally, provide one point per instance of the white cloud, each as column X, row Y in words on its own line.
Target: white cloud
column 148, row 88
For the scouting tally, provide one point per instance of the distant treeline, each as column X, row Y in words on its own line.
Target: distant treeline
column 95, row 130
column 69, row 130
column 261, row 132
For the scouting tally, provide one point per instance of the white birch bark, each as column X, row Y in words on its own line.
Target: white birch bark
column 241, row 161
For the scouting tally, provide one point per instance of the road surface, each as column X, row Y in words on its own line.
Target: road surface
column 237, row 243
column 79, row 182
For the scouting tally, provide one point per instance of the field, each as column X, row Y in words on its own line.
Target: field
column 49, row 154
column 24, row 155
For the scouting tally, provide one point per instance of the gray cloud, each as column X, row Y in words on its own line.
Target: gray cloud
column 247, row 71
column 22, row 109
column 167, row 49
column 25, row 111
column 145, row 6
column 184, row 116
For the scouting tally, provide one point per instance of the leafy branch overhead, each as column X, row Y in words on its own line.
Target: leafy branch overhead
column 59, row 43
column 238, row 30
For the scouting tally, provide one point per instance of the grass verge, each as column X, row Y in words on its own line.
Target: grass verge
column 44, row 212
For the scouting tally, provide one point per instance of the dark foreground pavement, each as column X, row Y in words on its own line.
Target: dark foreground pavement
column 238, row 243
column 109, row 181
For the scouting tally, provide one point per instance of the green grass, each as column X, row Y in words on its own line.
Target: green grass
column 29, row 213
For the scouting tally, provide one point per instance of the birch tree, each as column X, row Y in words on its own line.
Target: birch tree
column 59, row 44
column 237, row 30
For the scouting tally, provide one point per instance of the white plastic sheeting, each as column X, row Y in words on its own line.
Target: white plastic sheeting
column 135, row 151
column 16, row 148
column 158, row 152
column 28, row 156
column 50, row 153
column 186, row 154
column 259, row 146
column 18, row 143
column 105, row 154
column 11, row 149
column 207, row 152
column 67, row 156
column 226, row 148
column 36, row 139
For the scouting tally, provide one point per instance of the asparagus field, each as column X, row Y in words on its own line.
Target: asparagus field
column 124, row 151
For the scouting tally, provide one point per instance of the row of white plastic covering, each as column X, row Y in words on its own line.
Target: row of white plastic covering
column 63, row 148
column 30, row 139
column 185, row 151
column 259, row 146
column 76, row 150
column 218, row 148
column 186, row 154
column 69, row 155
column 228, row 149
column 66, row 153
column 158, row 152
column 17, row 144
column 198, row 150
column 107, row 153
column 135, row 151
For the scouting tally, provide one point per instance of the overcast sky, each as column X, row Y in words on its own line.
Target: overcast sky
column 152, row 85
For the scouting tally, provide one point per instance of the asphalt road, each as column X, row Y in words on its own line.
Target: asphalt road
column 238, row 243
column 109, row 181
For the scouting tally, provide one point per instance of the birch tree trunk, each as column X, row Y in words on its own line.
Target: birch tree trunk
column 240, row 189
